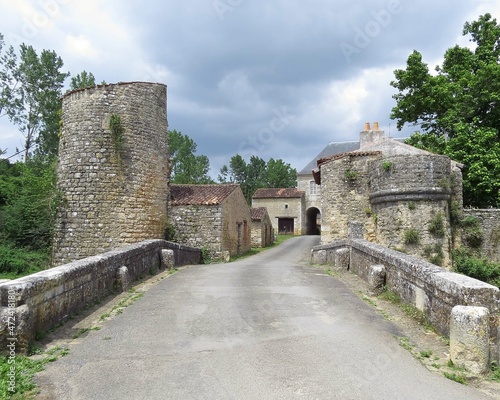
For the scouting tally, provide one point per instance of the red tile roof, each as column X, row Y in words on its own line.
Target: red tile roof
column 206, row 195
column 280, row 193
column 258, row 213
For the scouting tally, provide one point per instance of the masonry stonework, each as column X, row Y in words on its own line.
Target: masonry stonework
column 114, row 182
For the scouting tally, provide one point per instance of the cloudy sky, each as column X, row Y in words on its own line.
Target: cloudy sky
column 276, row 78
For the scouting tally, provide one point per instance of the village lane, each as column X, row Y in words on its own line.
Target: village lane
column 265, row 327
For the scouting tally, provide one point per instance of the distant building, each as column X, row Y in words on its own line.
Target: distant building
column 262, row 228
column 285, row 207
column 215, row 217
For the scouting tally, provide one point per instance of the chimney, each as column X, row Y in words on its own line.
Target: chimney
column 368, row 137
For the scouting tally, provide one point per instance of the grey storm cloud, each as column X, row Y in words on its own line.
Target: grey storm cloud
column 275, row 78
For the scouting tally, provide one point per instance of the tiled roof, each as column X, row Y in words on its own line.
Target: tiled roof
column 278, row 193
column 207, row 195
column 258, row 213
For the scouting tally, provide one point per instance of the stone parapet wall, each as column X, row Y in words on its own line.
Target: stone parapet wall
column 431, row 289
column 41, row 301
column 114, row 185
column 490, row 225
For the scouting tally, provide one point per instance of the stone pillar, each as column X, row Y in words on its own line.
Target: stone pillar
column 168, row 258
column 342, row 258
column 469, row 338
column 376, row 278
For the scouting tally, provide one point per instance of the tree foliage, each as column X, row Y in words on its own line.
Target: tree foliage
column 30, row 95
column 458, row 108
column 82, row 80
column 187, row 168
column 257, row 174
column 28, row 202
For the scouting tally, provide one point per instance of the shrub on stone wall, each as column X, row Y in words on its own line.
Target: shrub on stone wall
column 436, row 226
column 472, row 233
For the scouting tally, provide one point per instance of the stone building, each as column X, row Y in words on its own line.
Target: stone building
column 262, row 228
column 285, row 207
column 214, row 217
column 113, row 169
column 401, row 194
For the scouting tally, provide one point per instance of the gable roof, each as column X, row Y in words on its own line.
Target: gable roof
column 329, row 150
column 258, row 213
column 202, row 195
column 278, row 193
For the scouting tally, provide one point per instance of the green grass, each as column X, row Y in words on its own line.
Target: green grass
column 460, row 378
column 24, row 369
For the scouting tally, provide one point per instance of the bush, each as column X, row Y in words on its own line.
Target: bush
column 475, row 267
column 436, row 226
column 16, row 262
column 472, row 233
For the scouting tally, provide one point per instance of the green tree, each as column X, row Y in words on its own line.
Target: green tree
column 257, row 174
column 30, row 97
column 186, row 166
column 458, row 108
column 82, row 80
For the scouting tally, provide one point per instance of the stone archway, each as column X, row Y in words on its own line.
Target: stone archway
column 313, row 224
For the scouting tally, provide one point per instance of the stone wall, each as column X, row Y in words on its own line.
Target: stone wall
column 262, row 232
column 311, row 199
column 114, row 185
column 345, row 188
column 431, row 289
column 489, row 221
column 198, row 226
column 236, row 227
column 43, row 300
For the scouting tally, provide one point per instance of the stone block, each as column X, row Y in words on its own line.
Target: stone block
column 319, row 257
column 122, row 279
column 168, row 258
column 355, row 230
column 376, row 278
column 342, row 258
column 469, row 338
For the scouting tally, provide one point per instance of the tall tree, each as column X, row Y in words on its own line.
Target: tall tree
column 458, row 108
column 82, row 80
column 31, row 91
column 257, row 174
column 186, row 166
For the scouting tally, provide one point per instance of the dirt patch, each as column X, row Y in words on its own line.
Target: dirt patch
column 431, row 349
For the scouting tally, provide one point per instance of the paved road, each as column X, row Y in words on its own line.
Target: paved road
column 267, row 327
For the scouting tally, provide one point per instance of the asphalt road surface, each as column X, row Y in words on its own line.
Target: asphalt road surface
column 265, row 327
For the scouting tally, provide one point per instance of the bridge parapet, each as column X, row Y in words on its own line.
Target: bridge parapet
column 433, row 290
column 36, row 303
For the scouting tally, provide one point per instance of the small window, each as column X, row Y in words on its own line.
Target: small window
column 312, row 187
column 286, row 206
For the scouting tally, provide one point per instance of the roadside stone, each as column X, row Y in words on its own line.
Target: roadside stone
column 469, row 338
column 376, row 278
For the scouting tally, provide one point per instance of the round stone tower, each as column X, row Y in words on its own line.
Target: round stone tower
column 113, row 169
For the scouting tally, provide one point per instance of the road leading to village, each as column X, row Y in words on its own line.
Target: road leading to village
column 266, row 327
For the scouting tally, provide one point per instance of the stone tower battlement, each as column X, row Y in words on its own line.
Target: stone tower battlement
column 113, row 169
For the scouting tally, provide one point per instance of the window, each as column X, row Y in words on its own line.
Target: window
column 286, row 206
column 313, row 187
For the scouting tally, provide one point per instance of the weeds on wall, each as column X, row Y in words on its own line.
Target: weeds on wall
column 117, row 130
column 411, row 236
column 434, row 253
column 411, row 205
column 351, row 176
column 387, row 166
column 472, row 233
column 436, row 225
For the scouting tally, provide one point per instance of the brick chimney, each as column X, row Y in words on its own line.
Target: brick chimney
column 368, row 137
